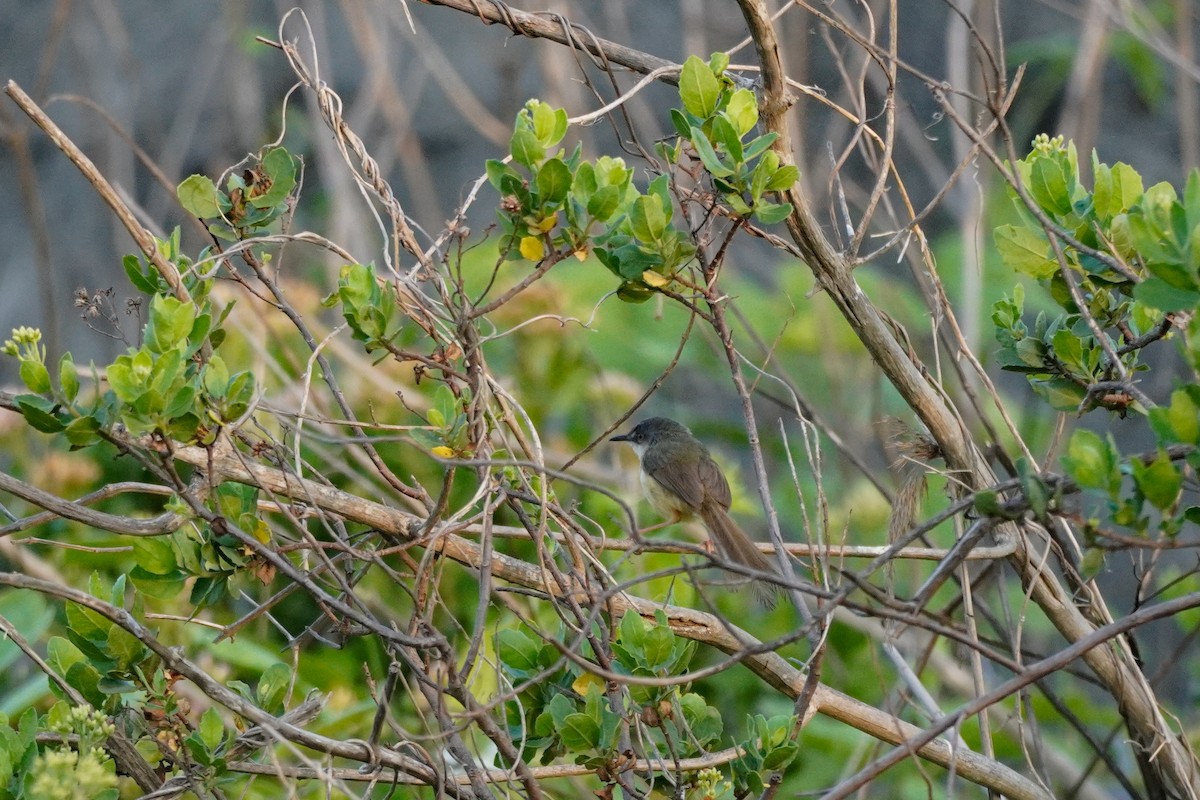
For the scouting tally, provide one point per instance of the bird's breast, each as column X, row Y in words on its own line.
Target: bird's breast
column 665, row 501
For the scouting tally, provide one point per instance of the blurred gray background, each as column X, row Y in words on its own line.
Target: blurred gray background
column 189, row 85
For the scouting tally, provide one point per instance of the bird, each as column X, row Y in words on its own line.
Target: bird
column 682, row 482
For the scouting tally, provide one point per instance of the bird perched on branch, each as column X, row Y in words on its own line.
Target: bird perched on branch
column 682, row 482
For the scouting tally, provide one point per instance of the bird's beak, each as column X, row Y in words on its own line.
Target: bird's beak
column 624, row 437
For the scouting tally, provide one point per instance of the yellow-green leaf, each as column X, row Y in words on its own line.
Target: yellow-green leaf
column 652, row 278
column 580, row 685
column 1025, row 251
column 698, row 88
column 743, row 111
column 531, row 248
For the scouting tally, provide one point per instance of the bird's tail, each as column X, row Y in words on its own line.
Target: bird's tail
column 734, row 545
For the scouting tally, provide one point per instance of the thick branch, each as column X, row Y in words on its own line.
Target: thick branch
column 162, row 524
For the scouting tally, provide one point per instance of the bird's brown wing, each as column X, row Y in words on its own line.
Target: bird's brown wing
column 714, row 482
column 682, row 478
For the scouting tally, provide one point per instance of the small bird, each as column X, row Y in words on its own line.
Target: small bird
column 682, row 482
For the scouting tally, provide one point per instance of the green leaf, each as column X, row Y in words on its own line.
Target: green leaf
column 212, row 730
column 770, row 213
column 1092, row 462
column 632, row 261
column 1191, row 199
column 681, row 123
column 661, row 186
column 1025, row 251
column 155, row 554
column 1117, row 188
column 1184, row 415
column 1060, row 393
column 85, row 679
column 647, row 218
column 1050, row 186
column 1102, row 190
column 280, row 168
column 699, row 89
column 784, row 178
column 780, row 757
column 87, row 629
column 499, row 174
column 1068, row 349
column 181, row 401
column 273, row 685
column 738, row 205
column 209, row 590
column 604, row 203
column 1159, row 481
column 198, row 195
column 613, row 172
column 142, row 282
column 549, row 123
column 216, row 376
column 61, row 654
column 37, row 411
column 630, row 645
column 183, row 428
column 197, row 751
column 708, row 156
column 560, row 707
column 125, row 380
column 743, row 111
column 725, row 135
column 702, row 720
column 579, row 732
column 525, row 148
column 659, row 647
column 168, row 369
column 518, row 652
column 1037, row 494
column 68, row 377
column 1178, row 422
column 633, row 292
column 1032, row 353
column 758, row 179
column 35, row 376
column 170, row 321
column 160, row 587
column 759, row 145
column 553, row 181
column 583, row 183
column 83, row 432
column 718, row 62
column 125, row 648
column 236, row 499
column 1157, row 293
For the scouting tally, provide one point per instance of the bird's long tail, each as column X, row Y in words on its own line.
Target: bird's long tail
column 733, row 544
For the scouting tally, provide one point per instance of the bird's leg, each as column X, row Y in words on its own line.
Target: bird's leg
column 673, row 518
